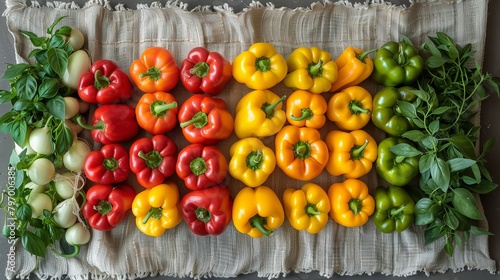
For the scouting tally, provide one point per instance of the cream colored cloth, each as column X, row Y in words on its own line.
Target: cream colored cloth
column 121, row 34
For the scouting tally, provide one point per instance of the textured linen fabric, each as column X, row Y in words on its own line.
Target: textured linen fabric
column 121, row 34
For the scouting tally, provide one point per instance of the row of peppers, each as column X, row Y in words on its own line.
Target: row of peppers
column 205, row 120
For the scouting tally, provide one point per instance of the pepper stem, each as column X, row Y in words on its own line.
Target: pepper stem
column 312, row 210
column 306, row 114
column 100, row 124
column 361, row 57
column 269, row 108
column 302, row 150
column 399, row 159
column 103, row 207
column 355, row 205
column 396, row 212
column 200, row 69
column 199, row 120
column 315, row 69
column 152, row 73
column 100, row 81
column 203, row 214
column 254, row 160
column 357, row 108
column 263, row 64
column 154, row 212
column 153, row 159
column 110, row 164
column 160, row 108
column 259, row 222
column 400, row 56
column 358, row 151
column 76, row 251
column 198, row 166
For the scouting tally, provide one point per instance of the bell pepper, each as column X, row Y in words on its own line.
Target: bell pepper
column 109, row 165
column 107, row 206
column 251, row 161
column 208, row 211
column 352, row 154
column 259, row 67
column 350, row 109
column 155, row 70
column 387, row 114
column 205, row 120
column 157, row 112
column 300, row 152
column 257, row 211
column 259, row 114
column 394, row 209
column 112, row 123
column 105, row 83
column 157, row 209
column 354, row 66
column 310, row 69
column 307, row 208
column 201, row 166
column 153, row 159
column 205, row 72
column 396, row 170
column 306, row 109
column 397, row 63
column 351, row 204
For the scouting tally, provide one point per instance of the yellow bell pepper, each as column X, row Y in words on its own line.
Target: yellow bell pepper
column 300, row 152
column 350, row 109
column 157, row 209
column 311, row 69
column 259, row 114
column 351, row 204
column 257, row 211
column 259, row 67
column 251, row 161
column 308, row 208
column 306, row 109
column 351, row 153
column 354, row 66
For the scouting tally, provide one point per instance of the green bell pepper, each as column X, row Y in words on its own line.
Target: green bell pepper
column 394, row 209
column 397, row 63
column 396, row 170
column 386, row 111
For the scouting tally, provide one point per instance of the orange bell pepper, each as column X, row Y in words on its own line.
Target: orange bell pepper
column 351, row 204
column 300, row 152
column 304, row 108
column 351, row 108
column 354, row 66
column 157, row 112
column 155, row 70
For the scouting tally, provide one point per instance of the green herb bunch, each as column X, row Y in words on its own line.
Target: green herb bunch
column 452, row 166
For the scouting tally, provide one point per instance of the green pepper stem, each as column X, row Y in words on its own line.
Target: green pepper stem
column 399, row 159
column 254, row 160
column 100, row 125
column 198, row 166
column 153, row 159
column 103, row 207
column 160, row 108
column 355, row 205
column 100, row 82
column 259, row 222
column 199, row 120
column 315, row 69
column 357, row 108
column 358, row 151
column 361, row 57
column 263, row 64
column 307, row 114
column 110, row 164
column 76, row 251
column 395, row 213
column 154, row 212
column 200, row 69
column 203, row 214
column 152, row 73
column 302, row 150
column 312, row 210
column 269, row 108
column 401, row 57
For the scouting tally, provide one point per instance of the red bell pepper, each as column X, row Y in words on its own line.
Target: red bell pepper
column 112, row 123
column 205, row 72
column 153, row 159
column 201, row 166
column 105, row 83
column 109, row 165
column 106, row 206
column 208, row 211
column 205, row 120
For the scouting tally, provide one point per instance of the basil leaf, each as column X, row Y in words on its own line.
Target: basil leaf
column 6, row 96
column 434, row 127
column 478, row 231
column 440, row 173
column 65, row 30
column 424, row 211
column 57, row 107
column 465, row 203
column 425, row 162
column 24, row 212
column 414, row 135
column 435, row 61
column 26, row 87
column 458, row 164
column 15, row 70
column 464, row 144
column 57, row 60
column 451, row 220
column 404, row 149
column 407, row 109
column 48, row 88
column 64, row 140
column 57, row 41
column 434, row 233
column 483, row 187
column 35, row 40
column 33, row 244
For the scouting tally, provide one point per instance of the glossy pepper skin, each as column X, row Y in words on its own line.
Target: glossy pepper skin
column 201, row 166
column 251, row 162
column 354, row 66
column 153, row 159
column 352, row 154
column 306, row 109
column 257, row 211
column 259, row 67
column 259, row 114
column 204, row 71
column 105, row 83
column 307, row 208
column 109, row 165
column 300, row 152
column 397, row 63
column 208, row 211
column 106, row 206
column 157, row 112
column 155, row 70
column 310, row 69
column 112, row 123
column 205, row 119
column 396, row 170
column 394, row 209
column 387, row 114
column 351, row 204
column 157, row 209
column 350, row 109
